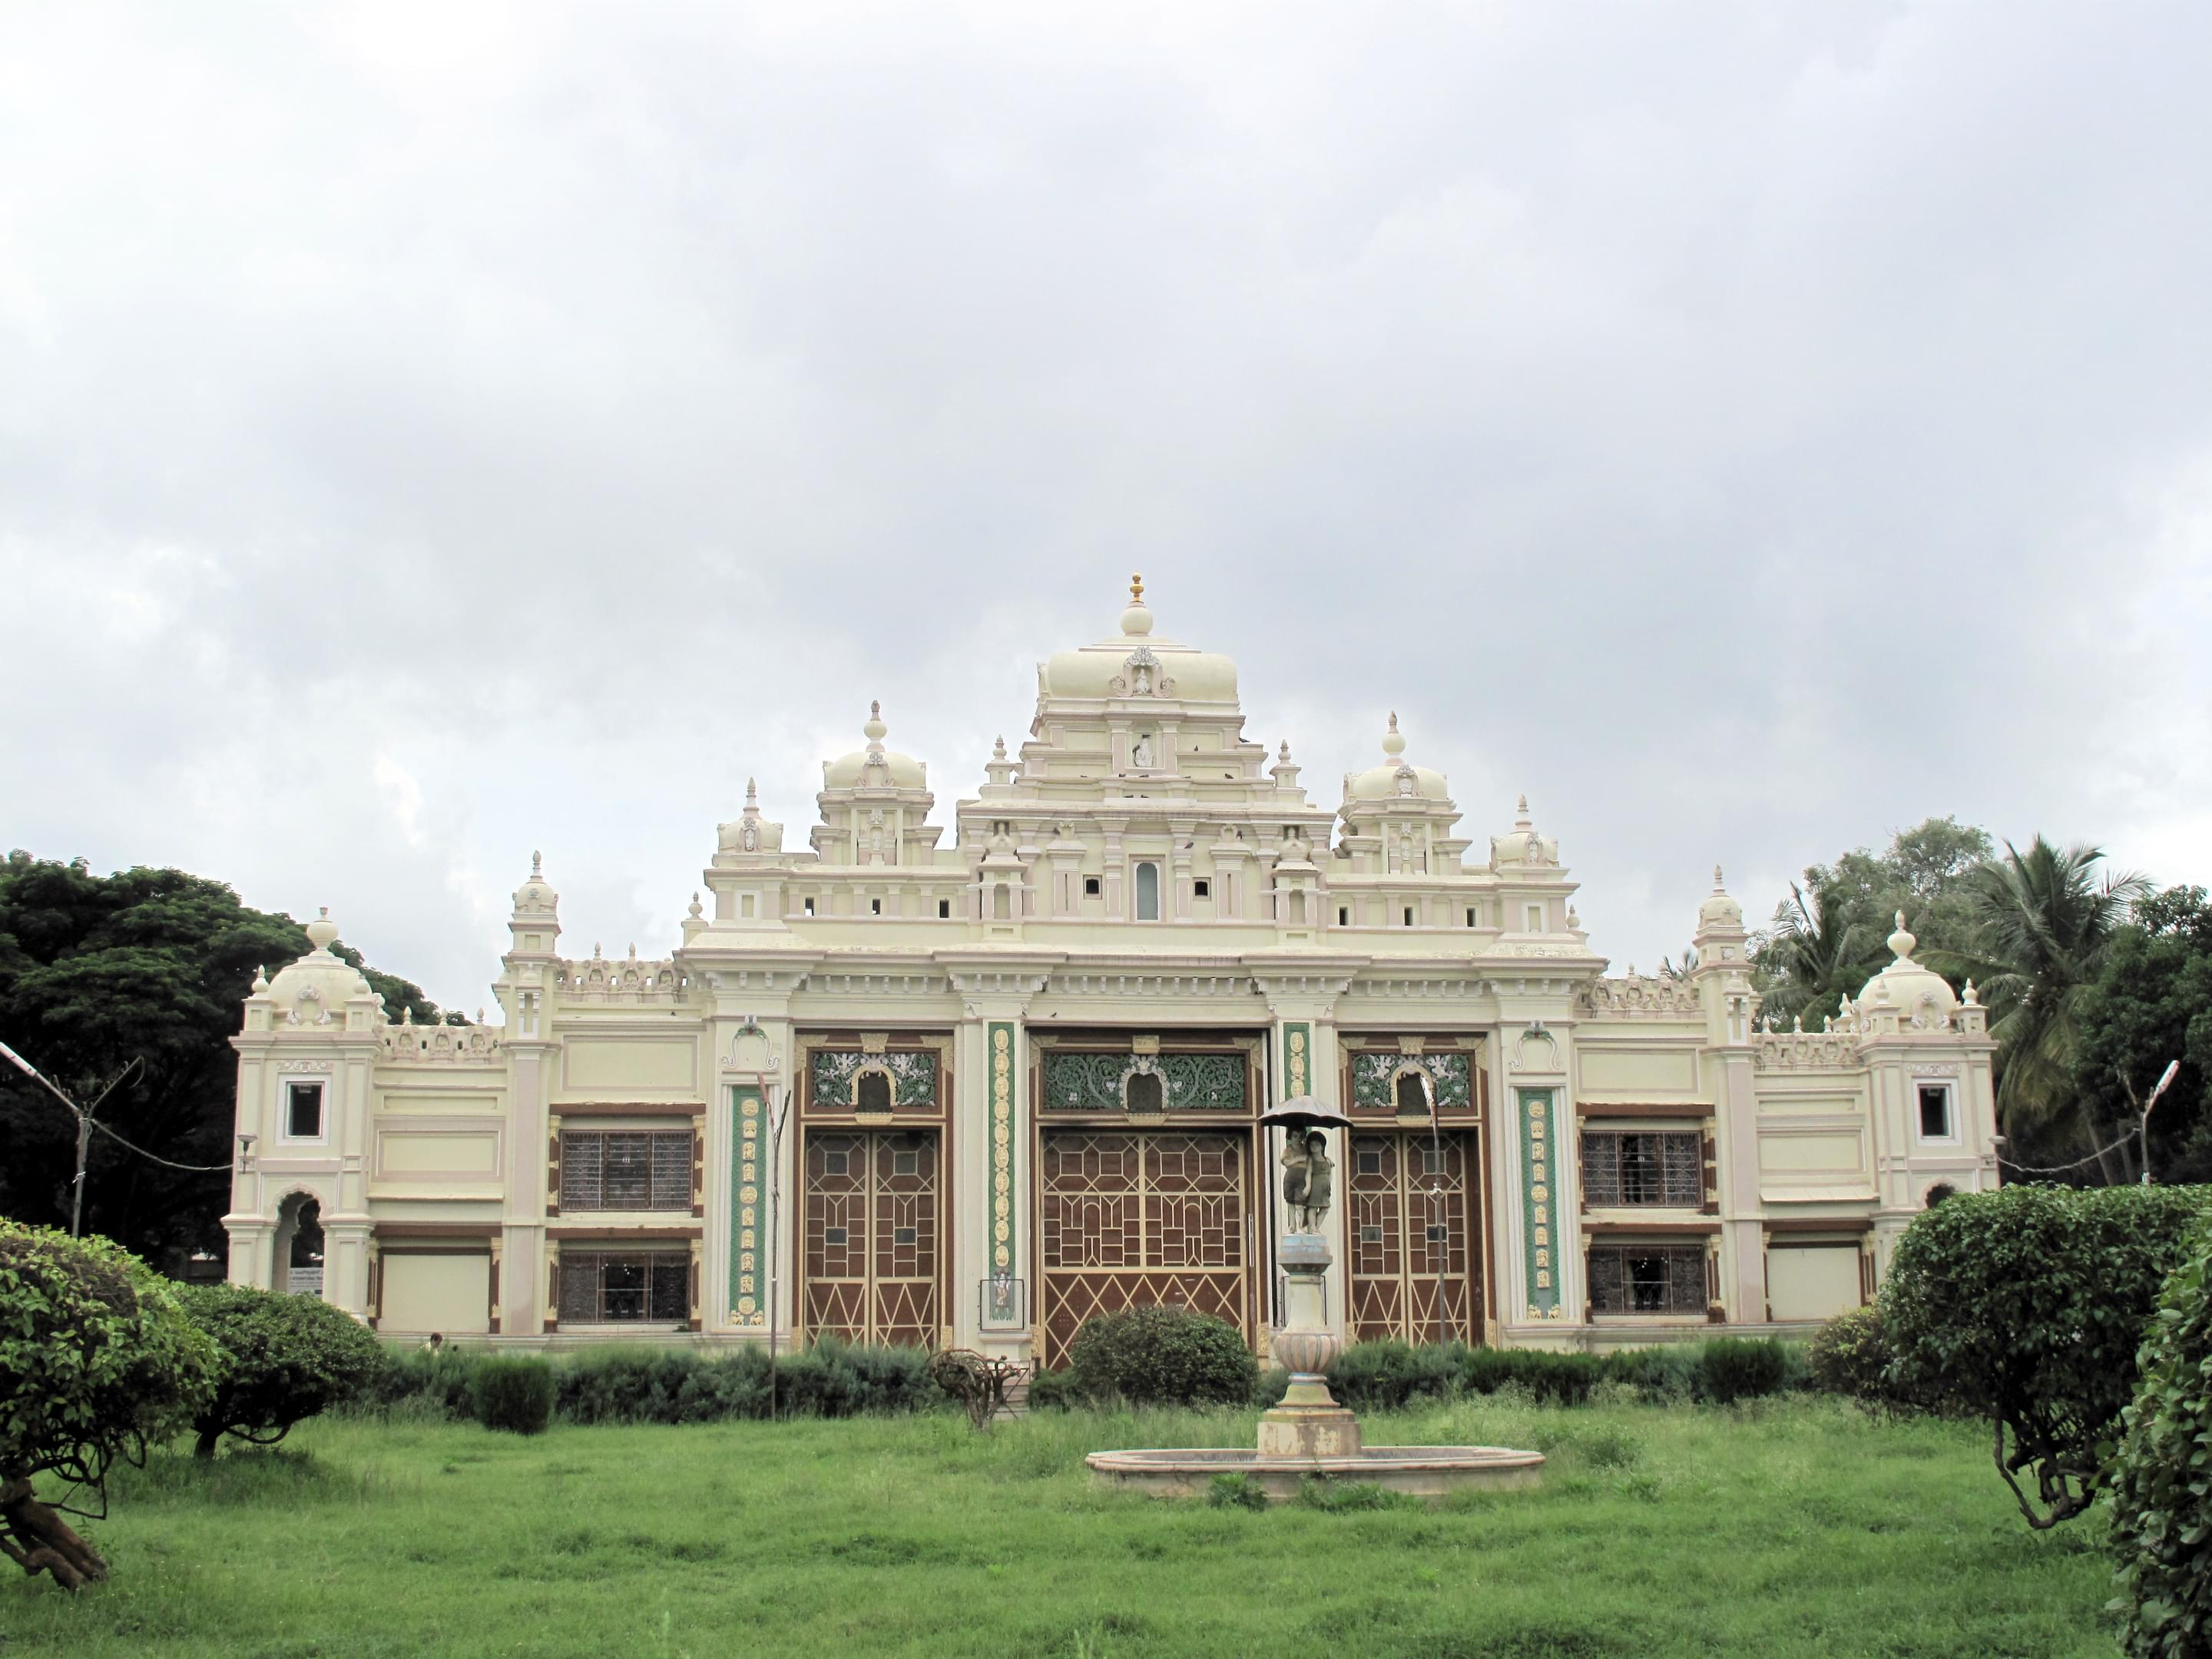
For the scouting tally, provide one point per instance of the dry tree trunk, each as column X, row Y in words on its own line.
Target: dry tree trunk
column 35, row 1534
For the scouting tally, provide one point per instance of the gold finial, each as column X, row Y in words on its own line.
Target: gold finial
column 1136, row 590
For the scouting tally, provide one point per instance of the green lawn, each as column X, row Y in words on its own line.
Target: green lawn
column 1791, row 1526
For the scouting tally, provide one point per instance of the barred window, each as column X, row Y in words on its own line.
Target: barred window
column 610, row 1287
column 1666, row 1168
column 626, row 1169
column 1663, row 1279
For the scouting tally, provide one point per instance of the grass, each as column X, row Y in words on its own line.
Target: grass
column 1787, row 1527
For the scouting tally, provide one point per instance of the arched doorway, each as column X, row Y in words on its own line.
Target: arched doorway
column 299, row 1253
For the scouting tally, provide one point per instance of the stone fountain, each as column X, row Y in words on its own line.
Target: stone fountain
column 1309, row 1434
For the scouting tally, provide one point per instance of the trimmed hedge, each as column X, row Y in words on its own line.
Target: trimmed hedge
column 1850, row 1356
column 1157, row 1356
column 672, row 1385
column 2162, row 1479
column 1372, row 1376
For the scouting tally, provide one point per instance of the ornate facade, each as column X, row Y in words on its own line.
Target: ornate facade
column 973, row 1093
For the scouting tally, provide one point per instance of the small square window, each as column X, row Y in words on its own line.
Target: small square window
column 1370, row 1235
column 1202, row 889
column 906, row 1163
column 1091, row 887
column 303, row 1111
column 944, row 909
column 832, row 1236
column 1439, row 1235
column 1934, row 1111
column 875, row 906
column 1370, row 1164
column 833, row 1164
column 809, row 903
column 902, row 1235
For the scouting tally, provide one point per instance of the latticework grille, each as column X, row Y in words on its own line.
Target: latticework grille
column 870, row 1220
column 1663, row 1279
column 626, row 1169
column 1131, row 1218
column 1625, row 1167
column 1414, row 1261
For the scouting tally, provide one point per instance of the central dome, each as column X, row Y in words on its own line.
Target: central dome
column 1396, row 777
column 1136, row 664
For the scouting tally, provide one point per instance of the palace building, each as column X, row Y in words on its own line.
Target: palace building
column 972, row 1093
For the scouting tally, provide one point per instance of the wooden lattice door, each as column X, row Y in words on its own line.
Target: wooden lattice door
column 1130, row 1218
column 1413, row 1245
column 871, row 1219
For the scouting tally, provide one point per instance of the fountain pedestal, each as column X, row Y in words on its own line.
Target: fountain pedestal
column 1308, row 1423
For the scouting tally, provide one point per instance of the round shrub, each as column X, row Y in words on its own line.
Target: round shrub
column 280, row 1359
column 2162, row 1479
column 1849, row 1355
column 2025, row 1307
column 515, row 1395
column 97, row 1360
column 1163, row 1357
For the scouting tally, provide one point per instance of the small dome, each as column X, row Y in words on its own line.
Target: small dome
column 1524, row 846
column 536, row 895
column 314, row 990
column 1905, row 985
column 1396, row 777
column 875, row 767
column 1719, row 910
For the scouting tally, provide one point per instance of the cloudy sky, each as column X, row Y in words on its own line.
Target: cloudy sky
column 426, row 436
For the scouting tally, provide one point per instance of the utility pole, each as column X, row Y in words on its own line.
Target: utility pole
column 84, row 1116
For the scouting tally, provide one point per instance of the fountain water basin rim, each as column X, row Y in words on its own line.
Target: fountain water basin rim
column 1426, row 1471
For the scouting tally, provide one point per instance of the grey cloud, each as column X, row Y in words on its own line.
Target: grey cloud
column 1747, row 431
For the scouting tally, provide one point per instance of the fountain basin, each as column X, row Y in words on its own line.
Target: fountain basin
column 1425, row 1471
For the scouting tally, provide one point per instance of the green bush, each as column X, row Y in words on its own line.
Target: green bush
column 1730, row 1369
column 97, row 1361
column 1386, row 1376
column 1054, row 1391
column 281, row 1358
column 2162, row 1479
column 2025, row 1307
column 1850, row 1356
column 1163, row 1357
column 423, row 1381
column 515, row 1395
column 675, row 1385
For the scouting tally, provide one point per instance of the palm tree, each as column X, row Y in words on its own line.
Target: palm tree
column 1811, row 953
column 2042, row 919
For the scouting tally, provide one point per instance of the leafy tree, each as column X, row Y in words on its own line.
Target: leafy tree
column 97, row 1361
column 1827, row 939
column 1815, row 958
column 2043, row 921
column 2150, row 1004
column 2162, row 1477
column 281, row 1358
column 2024, row 1307
column 146, row 964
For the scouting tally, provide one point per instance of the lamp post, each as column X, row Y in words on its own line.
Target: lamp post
column 84, row 1116
column 779, row 1110
column 2142, row 1124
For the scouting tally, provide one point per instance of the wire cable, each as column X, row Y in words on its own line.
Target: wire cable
column 190, row 1169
